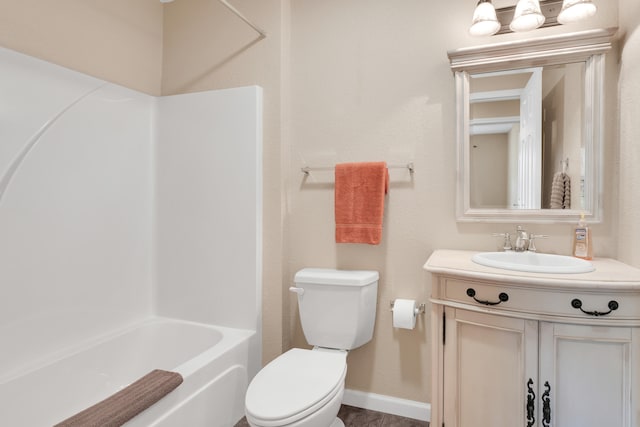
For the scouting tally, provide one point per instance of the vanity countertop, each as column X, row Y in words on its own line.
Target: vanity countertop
column 609, row 273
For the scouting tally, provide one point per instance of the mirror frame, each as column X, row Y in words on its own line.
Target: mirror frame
column 588, row 47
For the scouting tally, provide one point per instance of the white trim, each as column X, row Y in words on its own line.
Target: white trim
column 555, row 49
column 388, row 404
column 492, row 125
column 494, row 95
column 590, row 47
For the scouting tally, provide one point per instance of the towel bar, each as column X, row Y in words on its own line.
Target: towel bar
column 307, row 169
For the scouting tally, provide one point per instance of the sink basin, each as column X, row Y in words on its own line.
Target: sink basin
column 533, row 262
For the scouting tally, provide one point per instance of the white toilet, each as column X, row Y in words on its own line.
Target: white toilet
column 304, row 388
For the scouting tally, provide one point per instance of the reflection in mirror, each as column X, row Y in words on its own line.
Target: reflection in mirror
column 525, row 135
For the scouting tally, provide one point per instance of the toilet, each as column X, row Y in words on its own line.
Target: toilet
column 304, row 388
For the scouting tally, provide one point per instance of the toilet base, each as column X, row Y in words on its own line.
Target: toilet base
column 337, row 423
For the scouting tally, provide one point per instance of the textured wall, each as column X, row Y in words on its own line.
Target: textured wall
column 115, row 40
column 370, row 80
column 629, row 92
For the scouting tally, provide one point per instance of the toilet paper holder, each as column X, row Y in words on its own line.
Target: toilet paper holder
column 419, row 309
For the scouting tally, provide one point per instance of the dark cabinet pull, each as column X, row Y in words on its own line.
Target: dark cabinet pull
column 531, row 404
column 546, row 405
column 502, row 297
column 577, row 304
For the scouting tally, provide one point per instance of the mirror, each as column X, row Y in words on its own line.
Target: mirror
column 529, row 128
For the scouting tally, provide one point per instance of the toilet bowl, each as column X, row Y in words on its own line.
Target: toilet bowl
column 300, row 388
column 304, row 388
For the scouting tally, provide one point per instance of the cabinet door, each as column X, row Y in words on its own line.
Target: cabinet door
column 589, row 374
column 488, row 361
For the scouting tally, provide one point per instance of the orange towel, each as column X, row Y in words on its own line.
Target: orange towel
column 359, row 201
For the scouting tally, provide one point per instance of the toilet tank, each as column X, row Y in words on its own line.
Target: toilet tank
column 337, row 307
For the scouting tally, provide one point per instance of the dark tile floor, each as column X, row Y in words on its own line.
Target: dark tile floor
column 357, row 417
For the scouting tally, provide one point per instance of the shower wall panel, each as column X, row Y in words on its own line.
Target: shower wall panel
column 75, row 208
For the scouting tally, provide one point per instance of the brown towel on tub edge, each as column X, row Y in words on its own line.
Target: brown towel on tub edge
column 120, row 407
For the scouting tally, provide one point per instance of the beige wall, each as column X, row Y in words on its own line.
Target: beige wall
column 629, row 156
column 344, row 81
column 115, row 40
column 489, row 171
column 370, row 80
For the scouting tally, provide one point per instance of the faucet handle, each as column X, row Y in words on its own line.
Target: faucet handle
column 506, row 246
column 532, row 246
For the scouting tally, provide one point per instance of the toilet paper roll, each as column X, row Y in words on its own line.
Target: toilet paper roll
column 404, row 314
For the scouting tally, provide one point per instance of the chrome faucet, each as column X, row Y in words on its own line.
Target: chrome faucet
column 522, row 240
column 506, row 246
column 532, row 245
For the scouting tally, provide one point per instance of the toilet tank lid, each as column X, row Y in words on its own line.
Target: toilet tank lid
column 336, row 277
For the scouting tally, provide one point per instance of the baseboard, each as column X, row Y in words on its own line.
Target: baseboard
column 388, row 404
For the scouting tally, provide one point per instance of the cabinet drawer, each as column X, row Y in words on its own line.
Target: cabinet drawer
column 571, row 303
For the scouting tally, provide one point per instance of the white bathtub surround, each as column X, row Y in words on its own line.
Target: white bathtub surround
column 209, row 208
column 208, row 232
column 119, row 207
column 212, row 361
column 75, row 218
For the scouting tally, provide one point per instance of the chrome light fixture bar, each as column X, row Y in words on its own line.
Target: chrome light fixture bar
column 524, row 15
column 548, row 8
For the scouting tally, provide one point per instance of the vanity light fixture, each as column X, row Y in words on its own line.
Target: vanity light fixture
column 576, row 10
column 485, row 21
column 527, row 15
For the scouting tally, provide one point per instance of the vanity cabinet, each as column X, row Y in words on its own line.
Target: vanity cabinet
column 487, row 361
column 590, row 368
column 508, row 372
column 517, row 349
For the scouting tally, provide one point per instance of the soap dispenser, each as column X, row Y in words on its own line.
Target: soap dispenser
column 582, row 244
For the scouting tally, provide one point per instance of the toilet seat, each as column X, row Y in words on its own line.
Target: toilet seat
column 295, row 385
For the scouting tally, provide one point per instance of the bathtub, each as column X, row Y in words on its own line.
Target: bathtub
column 212, row 360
